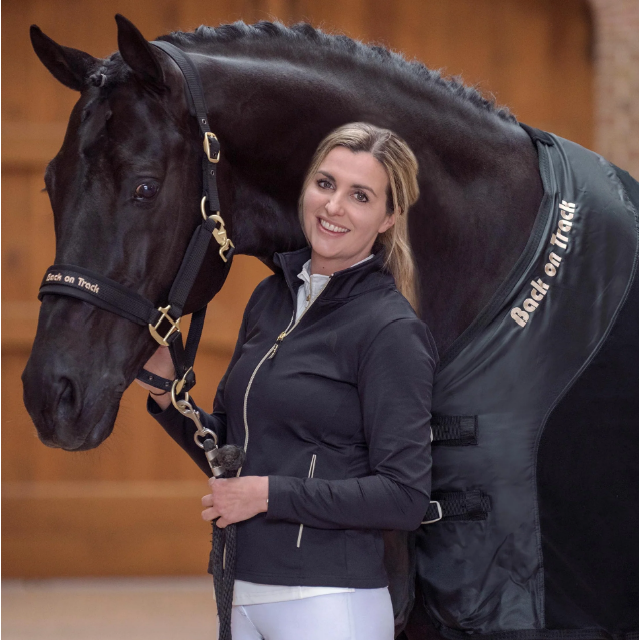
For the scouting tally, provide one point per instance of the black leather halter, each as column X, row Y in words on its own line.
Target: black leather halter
column 163, row 320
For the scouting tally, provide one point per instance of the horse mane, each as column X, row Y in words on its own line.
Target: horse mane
column 296, row 41
column 298, row 36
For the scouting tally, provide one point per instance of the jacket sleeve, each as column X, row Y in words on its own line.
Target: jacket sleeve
column 395, row 380
column 181, row 429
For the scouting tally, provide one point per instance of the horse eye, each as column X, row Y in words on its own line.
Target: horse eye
column 146, row 191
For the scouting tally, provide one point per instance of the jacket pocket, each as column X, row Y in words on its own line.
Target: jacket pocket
column 312, row 468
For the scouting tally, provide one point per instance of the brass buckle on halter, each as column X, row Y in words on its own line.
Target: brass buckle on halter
column 175, row 326
column 206, row 143
column 219, row 233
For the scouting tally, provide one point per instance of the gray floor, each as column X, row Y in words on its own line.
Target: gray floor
column 108, row 609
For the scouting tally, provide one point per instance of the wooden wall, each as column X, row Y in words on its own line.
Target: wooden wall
column 132, row 506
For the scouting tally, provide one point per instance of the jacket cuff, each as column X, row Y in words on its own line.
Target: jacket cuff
column 160, row 414
column 278, row 502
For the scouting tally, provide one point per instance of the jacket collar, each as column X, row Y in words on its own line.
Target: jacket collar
column 342, row 284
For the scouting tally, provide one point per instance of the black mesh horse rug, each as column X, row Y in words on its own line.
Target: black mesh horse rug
column 536, row 422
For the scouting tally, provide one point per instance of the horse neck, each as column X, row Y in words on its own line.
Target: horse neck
column 480, row 193
column 479, row 183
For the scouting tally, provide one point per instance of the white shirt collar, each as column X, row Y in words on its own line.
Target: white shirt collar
column 312, row 286
column 319, row 278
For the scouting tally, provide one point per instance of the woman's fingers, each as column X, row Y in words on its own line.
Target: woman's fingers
column 210, row 514
column 207, row 501
column 235, row 499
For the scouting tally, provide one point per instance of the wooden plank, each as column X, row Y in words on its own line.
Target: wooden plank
column 16, row 53
column 16, row 250
column 31, row 145
column 19, row 322
column 126, row 529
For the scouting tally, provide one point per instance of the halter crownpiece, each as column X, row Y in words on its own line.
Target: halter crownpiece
column 210, row 142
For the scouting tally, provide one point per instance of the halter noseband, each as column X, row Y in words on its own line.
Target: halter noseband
column 164, row 321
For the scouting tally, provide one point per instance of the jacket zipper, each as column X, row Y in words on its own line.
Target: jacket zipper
column 287, row 331
column 312, row 469
column 270, row 354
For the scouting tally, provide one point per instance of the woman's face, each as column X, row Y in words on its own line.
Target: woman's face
column 344, row 209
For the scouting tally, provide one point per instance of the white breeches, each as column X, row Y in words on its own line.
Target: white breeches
column 364, row 614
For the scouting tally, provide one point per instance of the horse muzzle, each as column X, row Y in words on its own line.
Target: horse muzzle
column 81, row 362
column 65, row 412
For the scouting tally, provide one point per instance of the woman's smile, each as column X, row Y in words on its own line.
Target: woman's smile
column 331, row 228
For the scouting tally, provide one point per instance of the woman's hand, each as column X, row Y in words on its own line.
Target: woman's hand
column 161, row 364
column 235, row 499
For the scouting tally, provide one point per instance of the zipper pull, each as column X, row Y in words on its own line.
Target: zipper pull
column 281, row 337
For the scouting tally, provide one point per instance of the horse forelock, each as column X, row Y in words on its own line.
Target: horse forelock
column 110, row 72
column 304, row 43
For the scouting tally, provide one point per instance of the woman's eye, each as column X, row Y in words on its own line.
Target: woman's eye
column 324, row 184
column 146, row 191
column 360, row 196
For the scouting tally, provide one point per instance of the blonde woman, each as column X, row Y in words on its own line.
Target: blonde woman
column 329, row 388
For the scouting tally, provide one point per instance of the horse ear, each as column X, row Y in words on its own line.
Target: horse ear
column 137, row 52
column 69, row 66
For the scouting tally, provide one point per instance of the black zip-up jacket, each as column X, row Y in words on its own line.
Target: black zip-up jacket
column 338, row 417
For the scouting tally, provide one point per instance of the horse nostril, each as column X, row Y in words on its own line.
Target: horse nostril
column 68, row 406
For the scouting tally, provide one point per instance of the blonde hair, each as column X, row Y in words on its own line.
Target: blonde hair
column 401, row 166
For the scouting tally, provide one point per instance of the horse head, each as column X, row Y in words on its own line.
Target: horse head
column 125, row 192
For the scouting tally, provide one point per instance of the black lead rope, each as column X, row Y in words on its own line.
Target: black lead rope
column 224, row 462
column 164, row 322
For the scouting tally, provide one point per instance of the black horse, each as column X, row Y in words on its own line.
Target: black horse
column 125, row 190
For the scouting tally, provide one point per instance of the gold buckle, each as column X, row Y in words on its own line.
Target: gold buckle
column 206, row 143
column 175, row 326
column 219, row 233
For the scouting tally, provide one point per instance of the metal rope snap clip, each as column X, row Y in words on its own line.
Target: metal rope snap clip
column 186, row 409
column 219, row 233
